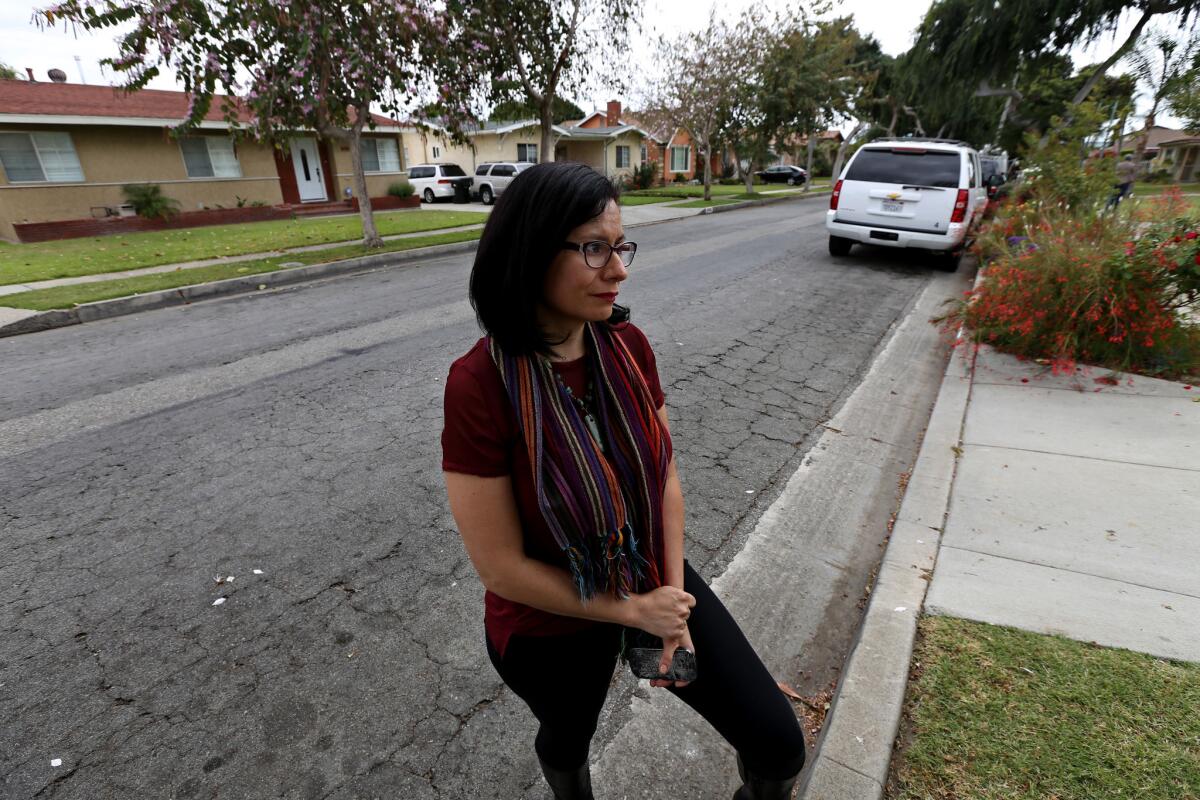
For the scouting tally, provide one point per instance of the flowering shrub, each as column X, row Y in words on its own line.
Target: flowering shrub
column 1112, row 291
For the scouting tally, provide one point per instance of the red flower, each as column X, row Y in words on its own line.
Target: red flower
column 1191, row 235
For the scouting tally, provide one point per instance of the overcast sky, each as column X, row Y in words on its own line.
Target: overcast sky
column 892, row 22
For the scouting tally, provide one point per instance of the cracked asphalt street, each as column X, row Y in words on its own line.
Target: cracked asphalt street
column 296, row 432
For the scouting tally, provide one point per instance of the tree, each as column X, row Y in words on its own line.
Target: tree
column 514, row 110
column 539, row 49
column 1183, row 96
column 291, row 65
column 984, row 42
column 1160, row 63
column 695, row 88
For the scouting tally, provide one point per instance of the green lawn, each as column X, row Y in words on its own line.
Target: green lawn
column 1000, row 714
column 70, row 257
column 68, row 296
column 719, row 200
column 1148, row 189
column 640, row 200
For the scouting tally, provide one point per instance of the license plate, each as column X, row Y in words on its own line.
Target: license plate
column 893, row 208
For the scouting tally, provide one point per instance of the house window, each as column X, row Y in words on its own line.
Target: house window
column 210, row 157
column 622, row 156
column 380, row 155
column 437, row 151
column 527, row 152
column 39, row 157
column 680, row 158
column 644, row 153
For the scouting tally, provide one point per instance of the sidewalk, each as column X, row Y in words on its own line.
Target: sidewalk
column 1054, row 504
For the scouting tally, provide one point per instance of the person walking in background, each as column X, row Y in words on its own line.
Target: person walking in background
column 558, row 463
column 1127, row 172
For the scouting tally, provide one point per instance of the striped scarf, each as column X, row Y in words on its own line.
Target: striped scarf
column 604, row 510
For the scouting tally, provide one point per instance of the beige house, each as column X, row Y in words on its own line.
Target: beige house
column 67, row 149
column 1180, row 157
column 614, row 150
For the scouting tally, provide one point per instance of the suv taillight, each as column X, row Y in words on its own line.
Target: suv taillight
column 833, row 198
column 960, row 207
column 444, row 180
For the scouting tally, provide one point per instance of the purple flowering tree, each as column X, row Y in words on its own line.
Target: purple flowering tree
column 278, row 67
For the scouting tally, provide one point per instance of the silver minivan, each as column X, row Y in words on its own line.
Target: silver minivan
column 493, row 178
column 919, row 193
column 433, row 181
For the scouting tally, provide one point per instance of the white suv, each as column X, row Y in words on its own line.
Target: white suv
column 492, row 179
column 922, row 193
column 432, row 181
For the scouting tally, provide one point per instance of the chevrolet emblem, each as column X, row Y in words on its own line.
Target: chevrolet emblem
column 893, row 196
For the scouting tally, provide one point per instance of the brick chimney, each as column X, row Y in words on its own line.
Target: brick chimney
column 612, row 116
column 29, row 72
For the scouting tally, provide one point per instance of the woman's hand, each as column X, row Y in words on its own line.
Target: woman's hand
column 663, row 612
column 669, row 646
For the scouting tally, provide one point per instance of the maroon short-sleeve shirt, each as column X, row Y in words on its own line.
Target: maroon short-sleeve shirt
column 481, row 437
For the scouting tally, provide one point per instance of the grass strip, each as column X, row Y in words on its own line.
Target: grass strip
column 69, row 296
column 716, row 201
column 68, row 258
column 640, row 200
column 1000, row 714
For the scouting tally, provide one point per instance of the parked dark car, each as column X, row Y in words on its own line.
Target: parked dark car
column 783, row 173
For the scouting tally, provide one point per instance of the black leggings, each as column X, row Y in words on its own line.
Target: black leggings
column 564, row 681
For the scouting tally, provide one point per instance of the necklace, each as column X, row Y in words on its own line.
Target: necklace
column 584, row 407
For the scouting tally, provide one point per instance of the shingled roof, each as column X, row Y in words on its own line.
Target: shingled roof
column 77, row 103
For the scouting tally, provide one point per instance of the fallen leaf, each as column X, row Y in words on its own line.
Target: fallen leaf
column 789, row 691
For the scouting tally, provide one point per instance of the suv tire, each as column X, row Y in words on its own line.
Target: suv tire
column 791, row 181
column 428, row 195
column 948, row 260
column 840, row 246
column 485, row 195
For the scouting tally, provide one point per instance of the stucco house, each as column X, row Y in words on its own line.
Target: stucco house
column 1180, row 157
column 602, row 141
column 66, row 149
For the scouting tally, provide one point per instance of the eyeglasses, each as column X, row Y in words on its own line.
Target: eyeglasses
column 597, row 254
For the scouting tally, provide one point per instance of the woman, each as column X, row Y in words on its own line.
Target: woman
column 557, row 459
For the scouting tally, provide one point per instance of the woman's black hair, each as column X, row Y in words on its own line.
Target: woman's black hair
column 520, row 241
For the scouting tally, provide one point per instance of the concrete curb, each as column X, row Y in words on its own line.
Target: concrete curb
column 764, row 202
column 854, row 753
column 103, row 309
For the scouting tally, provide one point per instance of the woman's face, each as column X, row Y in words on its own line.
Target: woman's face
column 575, row 293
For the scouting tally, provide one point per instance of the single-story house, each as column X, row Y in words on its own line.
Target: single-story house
column 614, row 149
column 66, row 149
column 1180, row 157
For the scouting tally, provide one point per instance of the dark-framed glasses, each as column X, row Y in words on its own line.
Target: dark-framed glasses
column 596, row 254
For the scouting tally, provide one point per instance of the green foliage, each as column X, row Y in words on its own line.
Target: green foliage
column 149, row 201
column 645, row 175
column 680, row 177
column 1057, row 174
column 522, row 108
column 7, row 73
column 400, row 189
column 1073, row 287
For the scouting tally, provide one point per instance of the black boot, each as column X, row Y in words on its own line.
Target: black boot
column 756, row 788
column 575, row 784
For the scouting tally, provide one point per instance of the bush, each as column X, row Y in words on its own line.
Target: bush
column 400, row 189
column 1108, row 290
column 1159, row 176
column 644, row 175
column 680, row 177
column 149, row 201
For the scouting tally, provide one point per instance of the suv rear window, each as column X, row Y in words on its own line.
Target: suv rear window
column 483, row 170
column 913, row 167
column 452, row 171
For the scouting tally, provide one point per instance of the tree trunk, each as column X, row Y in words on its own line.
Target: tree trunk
column 812, row 149
column 1091, row 82
column 371, row 236
column 547, row 120
column 707, row 173
column 748, row 175
column 842, row 148
column 891, row 129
